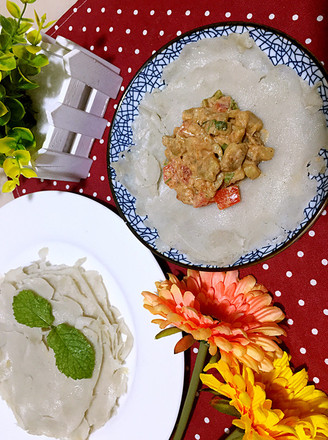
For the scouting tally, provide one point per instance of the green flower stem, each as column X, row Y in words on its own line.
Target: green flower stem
column 21, row 16
column 193, row 386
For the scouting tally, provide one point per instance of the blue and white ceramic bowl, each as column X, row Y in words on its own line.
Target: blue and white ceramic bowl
column 281, row 49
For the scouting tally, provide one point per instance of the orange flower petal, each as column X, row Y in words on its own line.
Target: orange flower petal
column 236, row 316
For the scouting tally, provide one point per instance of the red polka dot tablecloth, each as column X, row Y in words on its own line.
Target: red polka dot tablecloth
column 126, row 34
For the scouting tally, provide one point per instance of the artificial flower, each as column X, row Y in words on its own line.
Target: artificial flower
column 276, row 405
column 235, row 316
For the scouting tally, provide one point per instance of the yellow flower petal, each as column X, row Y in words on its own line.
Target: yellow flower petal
column 274, row 405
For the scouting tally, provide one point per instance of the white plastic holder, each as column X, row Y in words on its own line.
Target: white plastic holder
column 75, row 88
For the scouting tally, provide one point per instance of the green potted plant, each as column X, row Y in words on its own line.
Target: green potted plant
column 20, row 62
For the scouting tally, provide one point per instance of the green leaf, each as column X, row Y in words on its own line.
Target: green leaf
column 28, row 86
column 5, row 119
column 37, row 19
column 24, row 27
column 39, row 61
column 75, row 356
column 50, row 23
column 22, row 133
column 42, row 21
column 11, row 168
column 5, row 40
column 20, row 51
column 25, row 83
column 7, row 24
column 7, row 61
column 19, row 39
column 16, row 108
column 28, row 172
column 3, row 109
column 27, row 20
column 223, row 405
column 13, row 9
column 9, row 186
column 33, row 49
column 34, row 37
column 23, row 157
column 167, row 332
column 237, row 434
column 7, row 144
column 32, row 309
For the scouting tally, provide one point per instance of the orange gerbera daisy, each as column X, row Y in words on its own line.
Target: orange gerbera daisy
column 276, row 405
column 235, row 316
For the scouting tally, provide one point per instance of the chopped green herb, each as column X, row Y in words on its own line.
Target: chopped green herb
column 233, row 105
column 224, row 147
column 228, row 177
column 218, row 94
column 220, row 125
column 213, row 125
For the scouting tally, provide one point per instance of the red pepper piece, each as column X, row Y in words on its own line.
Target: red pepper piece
column 228, row 196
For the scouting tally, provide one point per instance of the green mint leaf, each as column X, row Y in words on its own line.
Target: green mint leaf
column 75, row 356
column 32, row 309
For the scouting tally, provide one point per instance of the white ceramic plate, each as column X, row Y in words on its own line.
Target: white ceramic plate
column 72, row 226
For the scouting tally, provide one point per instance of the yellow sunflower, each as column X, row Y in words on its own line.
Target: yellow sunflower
column 276, row 405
